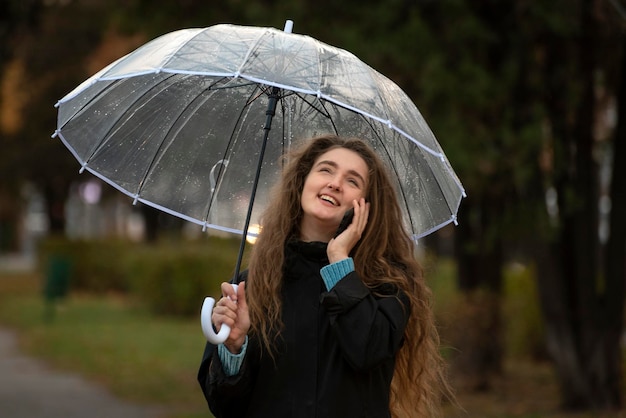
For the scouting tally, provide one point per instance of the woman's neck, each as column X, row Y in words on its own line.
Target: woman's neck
column 310, row 232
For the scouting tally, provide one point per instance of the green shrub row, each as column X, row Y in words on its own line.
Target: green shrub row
column 169, row 278
column 172, row 278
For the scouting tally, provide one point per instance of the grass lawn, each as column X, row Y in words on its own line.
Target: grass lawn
column 153, row 360
column 112, row 341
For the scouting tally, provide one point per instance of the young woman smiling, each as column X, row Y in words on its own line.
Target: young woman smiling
column 327, row 325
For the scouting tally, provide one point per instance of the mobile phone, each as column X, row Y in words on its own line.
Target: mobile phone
column 345, row 221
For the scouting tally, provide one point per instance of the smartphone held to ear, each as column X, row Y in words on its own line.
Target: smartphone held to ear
column 345, row 221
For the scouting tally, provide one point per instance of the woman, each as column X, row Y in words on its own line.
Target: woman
column 325, row 325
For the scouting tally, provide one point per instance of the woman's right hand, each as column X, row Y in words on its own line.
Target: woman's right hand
column 232, row 310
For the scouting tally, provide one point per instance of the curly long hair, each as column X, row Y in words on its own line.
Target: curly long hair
column 385, row 254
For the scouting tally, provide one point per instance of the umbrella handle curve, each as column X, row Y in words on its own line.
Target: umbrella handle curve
column 207, row 326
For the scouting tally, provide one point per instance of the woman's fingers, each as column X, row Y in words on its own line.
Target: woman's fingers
column 340, row 247
column 361, row 211
column 232, row 310
column 225, row 310
column 228, row 291
column 361, row 214
column 223, row 315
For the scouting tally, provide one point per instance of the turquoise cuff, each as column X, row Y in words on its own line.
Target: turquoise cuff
column 231, row 362
column 333, row 273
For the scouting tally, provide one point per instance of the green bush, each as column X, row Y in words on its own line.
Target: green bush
column 521, row 316
column 93, row 266
column 170, row 278
column 174, row 280
column 524, row 324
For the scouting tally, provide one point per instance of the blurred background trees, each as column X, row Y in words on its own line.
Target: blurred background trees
column 527, row 98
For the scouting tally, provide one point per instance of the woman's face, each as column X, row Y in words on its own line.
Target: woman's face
column 337, row 178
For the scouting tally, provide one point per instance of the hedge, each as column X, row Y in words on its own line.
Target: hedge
column 170, row 278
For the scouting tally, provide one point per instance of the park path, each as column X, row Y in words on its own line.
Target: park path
column 30, row 389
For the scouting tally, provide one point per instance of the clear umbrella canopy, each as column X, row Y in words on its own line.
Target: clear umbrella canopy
column 179, row 124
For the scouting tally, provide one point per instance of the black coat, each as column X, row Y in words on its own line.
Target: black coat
column 335, row 357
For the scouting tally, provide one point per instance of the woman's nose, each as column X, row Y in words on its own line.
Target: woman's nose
column 334, row 185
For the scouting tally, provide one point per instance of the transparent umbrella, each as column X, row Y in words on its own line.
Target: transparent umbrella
column 194, row 122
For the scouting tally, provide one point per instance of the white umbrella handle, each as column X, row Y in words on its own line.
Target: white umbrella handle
column 207, row 325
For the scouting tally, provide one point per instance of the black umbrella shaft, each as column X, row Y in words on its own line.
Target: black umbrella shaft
column 271, row 111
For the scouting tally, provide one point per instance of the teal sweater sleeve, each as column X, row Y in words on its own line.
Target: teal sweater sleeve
column 231, row 362
column 333, row 273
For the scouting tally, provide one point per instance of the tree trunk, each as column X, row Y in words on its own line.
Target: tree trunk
column 56, row 192
column 613, row 308
column 574, row 299
column 478, row 329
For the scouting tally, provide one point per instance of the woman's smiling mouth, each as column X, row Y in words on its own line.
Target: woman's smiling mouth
column 329, row 199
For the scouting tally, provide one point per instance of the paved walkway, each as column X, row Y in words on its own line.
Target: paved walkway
column 29, row 389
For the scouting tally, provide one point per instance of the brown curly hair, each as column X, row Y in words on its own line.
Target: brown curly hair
column 385, row 254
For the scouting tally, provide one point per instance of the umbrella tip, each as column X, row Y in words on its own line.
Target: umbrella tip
column 288, row 26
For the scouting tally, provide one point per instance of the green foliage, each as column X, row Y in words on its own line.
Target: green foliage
column 524, row 331
column 521, row 315
column 169, row 278
column 94, row 266
column 175, row 280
